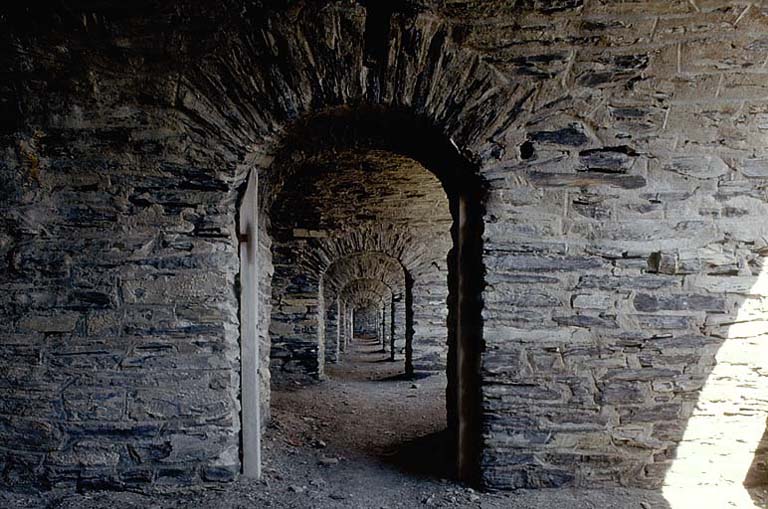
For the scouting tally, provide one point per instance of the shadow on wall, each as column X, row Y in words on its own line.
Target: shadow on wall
column 757, row 475
column 721, row 459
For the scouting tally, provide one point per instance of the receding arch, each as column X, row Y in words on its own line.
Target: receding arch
column 392, row 132
column 367, row 293
column 364, row 264
column 225, row 105
column 363, row 290
column 476, row 113
column 360, row 265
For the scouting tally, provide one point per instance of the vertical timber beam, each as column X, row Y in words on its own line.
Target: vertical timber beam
column 250, row 383
column 469, row 340
column 408, row 325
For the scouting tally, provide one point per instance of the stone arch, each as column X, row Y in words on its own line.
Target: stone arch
column 464, row 192
column 362, row 290
column 395, row 244
column 365, row 264
column 468, row 117
column 299, row 289
column 369, row 296
column 222, row 110
column 425, row 73
column 365, row 298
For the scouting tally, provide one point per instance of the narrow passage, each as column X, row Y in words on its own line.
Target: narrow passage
column 368, row 411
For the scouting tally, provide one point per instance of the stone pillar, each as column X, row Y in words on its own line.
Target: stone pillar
column 383, row 314
column 430, row 321
column 343, row 326
column 350, row 325
column 339, row 327
column 380, row 327
column 392, row 328
column 398, row 341
column 332, row 332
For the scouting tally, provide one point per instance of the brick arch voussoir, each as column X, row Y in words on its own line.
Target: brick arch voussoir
column 251, row 90
column 398, row 244
column 365, row 289
column 360, row 265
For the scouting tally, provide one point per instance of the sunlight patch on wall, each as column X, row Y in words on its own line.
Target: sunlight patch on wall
column 729, row 420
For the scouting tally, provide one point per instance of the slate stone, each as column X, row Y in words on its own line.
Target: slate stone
column 571, row 136
column 521, row 263
column 701, row 167
column 605, row 177
column 609, row 159
column 219, row 474
column 625, row 283
column 587, row 321
column 585, row 179
column 755, row 168
column 649, row 303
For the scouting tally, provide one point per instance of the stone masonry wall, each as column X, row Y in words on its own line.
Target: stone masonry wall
column 626, row 233
column 622, row 144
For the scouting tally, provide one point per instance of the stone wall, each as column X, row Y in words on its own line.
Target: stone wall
column 620, row 234
column 621, row 143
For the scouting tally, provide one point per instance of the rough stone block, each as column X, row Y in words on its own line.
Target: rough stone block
column 87, row 453
column 31, row 435
column 755, row 168
column 59, row 321
column 609, row 159
column 94, row 403
column 650, row 303
column 574, row 135
column 701, row 167
column 591, row 301
column 587, row 179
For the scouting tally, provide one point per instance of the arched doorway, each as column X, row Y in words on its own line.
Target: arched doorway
column 379, row 267
column 374, row 141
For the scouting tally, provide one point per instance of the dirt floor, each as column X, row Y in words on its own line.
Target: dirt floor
column 365, row 438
